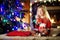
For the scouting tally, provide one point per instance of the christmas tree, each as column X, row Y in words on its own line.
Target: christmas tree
column 11, row 15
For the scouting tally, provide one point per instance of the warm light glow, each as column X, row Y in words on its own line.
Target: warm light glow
column 22, row 4
column 40, row 0
column 49, row 0
column 30, row 14
column 24, row 20
column 30, row 9
column 35, row 1
column 54, row 0
column 52, row 21
column 45, row 1
column 58, row 0
column 58, row 26
column 18, row 19
column 54, row 35
column 30, row 4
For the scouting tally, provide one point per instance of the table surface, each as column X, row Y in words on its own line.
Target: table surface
column 4, row 37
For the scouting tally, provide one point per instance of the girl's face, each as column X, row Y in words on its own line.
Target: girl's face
column 40, row 12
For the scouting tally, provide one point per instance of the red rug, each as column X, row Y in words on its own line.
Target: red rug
column 19, row 33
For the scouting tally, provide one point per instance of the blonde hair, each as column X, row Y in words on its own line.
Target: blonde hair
column 46, row 14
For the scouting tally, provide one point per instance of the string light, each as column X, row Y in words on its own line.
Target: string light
column 12, row 13
column 30, row 14
column 49, row 0
column 30, row 4
column 22, row 4
column 40, row 0
column 44, row 1
column 52, row 21
column 35, row 1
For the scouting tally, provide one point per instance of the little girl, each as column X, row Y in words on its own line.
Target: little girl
column 43, row 23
